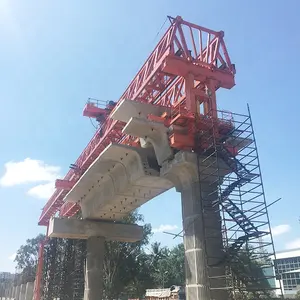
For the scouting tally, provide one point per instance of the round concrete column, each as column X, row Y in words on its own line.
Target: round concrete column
column 93, row 289
column 22, row 292
column 29, row 291
column 17, row 295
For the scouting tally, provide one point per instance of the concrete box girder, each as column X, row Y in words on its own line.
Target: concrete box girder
column 153, row 133
column 135, row 115
column 84, row 229
column 121, row 179
column 127, row 109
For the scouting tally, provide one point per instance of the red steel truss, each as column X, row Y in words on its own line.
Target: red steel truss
column 183, row 72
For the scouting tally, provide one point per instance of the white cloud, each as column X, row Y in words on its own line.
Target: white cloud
column 27, row 171
column 163, row 228
column 293, row 244
column 12, row 257
column 280, row 229
column 42, row 191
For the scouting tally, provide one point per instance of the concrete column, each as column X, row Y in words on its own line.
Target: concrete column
column 29, row 291
column 11, row 292
column 17, row 294
column 202, row 229
column 22, row 292
column 6, row 293
column 94, row 269
column 203, row 243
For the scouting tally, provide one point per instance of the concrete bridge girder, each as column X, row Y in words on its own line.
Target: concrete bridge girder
column 121, row 179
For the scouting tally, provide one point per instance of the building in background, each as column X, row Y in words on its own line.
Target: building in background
column 174, row 293
column 6, row 276
column 6, row 281
column 288, row 267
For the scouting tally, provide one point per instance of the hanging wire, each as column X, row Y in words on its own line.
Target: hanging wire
column 152, row 42
column 93, row 123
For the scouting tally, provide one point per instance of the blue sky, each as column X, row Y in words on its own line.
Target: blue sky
column 56, row 54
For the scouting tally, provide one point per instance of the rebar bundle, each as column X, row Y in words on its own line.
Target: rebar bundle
column 64, row 269
column 78, row 279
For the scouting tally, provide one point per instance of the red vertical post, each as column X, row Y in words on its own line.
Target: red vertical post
column 39, row 272
column 210, row 107
column 191, row 103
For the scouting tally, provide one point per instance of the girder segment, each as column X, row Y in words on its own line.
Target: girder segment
column 127, row 109
column 121, row 179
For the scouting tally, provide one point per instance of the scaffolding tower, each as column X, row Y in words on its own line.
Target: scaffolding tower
column 229, row 161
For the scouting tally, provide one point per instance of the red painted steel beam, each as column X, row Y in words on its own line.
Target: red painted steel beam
column 39, row 272
column 64, row 184
column 185, row 49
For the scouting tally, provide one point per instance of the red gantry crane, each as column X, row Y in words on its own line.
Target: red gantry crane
column 189, row 62
column 181, row 75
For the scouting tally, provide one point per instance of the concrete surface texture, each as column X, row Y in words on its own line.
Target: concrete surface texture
column 17, row 292
column 22, row 292
column 93, row 289
column 29, row 291
column 151, row 133
column 83, row 229
column 121, row 179
column 202, row 228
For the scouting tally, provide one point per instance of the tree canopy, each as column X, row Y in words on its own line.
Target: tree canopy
column 27, row 257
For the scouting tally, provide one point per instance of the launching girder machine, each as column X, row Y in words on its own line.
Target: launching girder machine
column 167, row 122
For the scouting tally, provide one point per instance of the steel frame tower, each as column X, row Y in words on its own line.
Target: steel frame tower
column 242, row 206
column 182, row 74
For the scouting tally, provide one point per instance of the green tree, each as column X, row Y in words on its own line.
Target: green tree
column 297, row 296
column 168, row 265
column 249, row 275
column 176, row 265
column 125, row 262
column 158, row 260
column 27, row 257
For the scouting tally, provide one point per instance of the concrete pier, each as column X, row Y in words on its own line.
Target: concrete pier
column 17, row 292
column 202, row 229
column 29, row 291
column 96, row 232
column 14, row 293
column 22, row 292
column 94, row 269
column 11, row 292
